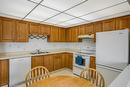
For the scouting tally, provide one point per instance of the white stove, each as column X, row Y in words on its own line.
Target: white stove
column 81, row 60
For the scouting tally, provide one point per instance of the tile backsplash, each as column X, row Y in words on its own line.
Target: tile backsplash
column 34, row 44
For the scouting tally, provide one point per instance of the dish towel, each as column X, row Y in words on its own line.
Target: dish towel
column 79, row 60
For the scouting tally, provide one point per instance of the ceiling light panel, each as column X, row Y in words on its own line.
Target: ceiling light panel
column 60, row 18
column 41, row 13
column 91, row 6
column 18, row 8
column 61, row 5
column 108, row 12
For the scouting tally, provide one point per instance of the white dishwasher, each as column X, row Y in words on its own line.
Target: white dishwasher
column 19, row 68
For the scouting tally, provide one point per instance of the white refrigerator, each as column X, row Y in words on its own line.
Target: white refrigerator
column 112, row 53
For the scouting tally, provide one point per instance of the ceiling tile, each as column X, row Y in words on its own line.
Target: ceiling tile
column 35, row 0
column 72, row 22
column 61, row 4
column 18, row 8
column 60, row 18
column 41, row 13
column 65, row 24
column 110, row 11
column 92, row 5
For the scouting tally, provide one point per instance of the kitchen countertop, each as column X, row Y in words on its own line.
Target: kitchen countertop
column 123, row 79
column 14, row 55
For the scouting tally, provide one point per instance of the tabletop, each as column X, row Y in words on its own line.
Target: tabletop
column 63, row 81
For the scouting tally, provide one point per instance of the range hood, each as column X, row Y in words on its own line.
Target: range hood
column 87, row 36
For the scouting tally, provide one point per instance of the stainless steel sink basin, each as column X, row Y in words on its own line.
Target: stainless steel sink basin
column 39, row 52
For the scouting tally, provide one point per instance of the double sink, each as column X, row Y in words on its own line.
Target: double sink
column 39, row 52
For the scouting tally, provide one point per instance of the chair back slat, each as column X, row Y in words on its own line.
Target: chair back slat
column 93, row 76
column 36, row 74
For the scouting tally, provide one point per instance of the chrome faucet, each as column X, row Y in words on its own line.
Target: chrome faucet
column 38, row 51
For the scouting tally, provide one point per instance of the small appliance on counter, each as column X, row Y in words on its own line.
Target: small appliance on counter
column 81, row 59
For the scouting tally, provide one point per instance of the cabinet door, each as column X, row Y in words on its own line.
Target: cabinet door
column 123, row 22
column 0, row 29
column 57, row 61
column 109, row 25
column 8, row 29
column 74, row 34
column 45, row 29
column 48, row 62
column 97, row 27
column 69, row 35
column 89, row 29
column 62, row 35
column 4, row 72
column 69, row 60
column 63, row 60
column 37, row 61
column 54, row 37
column 92, row 62
column 22, row 31
column 34, row 28
column 82, row 30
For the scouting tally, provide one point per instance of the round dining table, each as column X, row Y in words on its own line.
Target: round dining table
column 63, row 81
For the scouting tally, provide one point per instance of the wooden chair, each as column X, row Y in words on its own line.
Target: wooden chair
column 93, row 76
column 36, row 74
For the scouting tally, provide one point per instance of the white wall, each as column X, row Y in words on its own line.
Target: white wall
column 42, row 44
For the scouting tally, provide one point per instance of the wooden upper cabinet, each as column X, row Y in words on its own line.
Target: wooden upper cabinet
column 8, row 29
column 45, row 29
column 35, row 28
column 54, row 34
column 109, row 25
column 4, row 72
column 82, row 30
column 97, row 26
column 62, row 35
column 22, row 31
column 89, row 28
column 68, row 35
column 123, row 22
column 72, row 34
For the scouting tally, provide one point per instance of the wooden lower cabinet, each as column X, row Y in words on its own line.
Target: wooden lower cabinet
column 37, row 61
column 53, row 61
column 57, row 61
column 4, row 72
column 68, row 60
column 93, row 62
column 48, row 62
